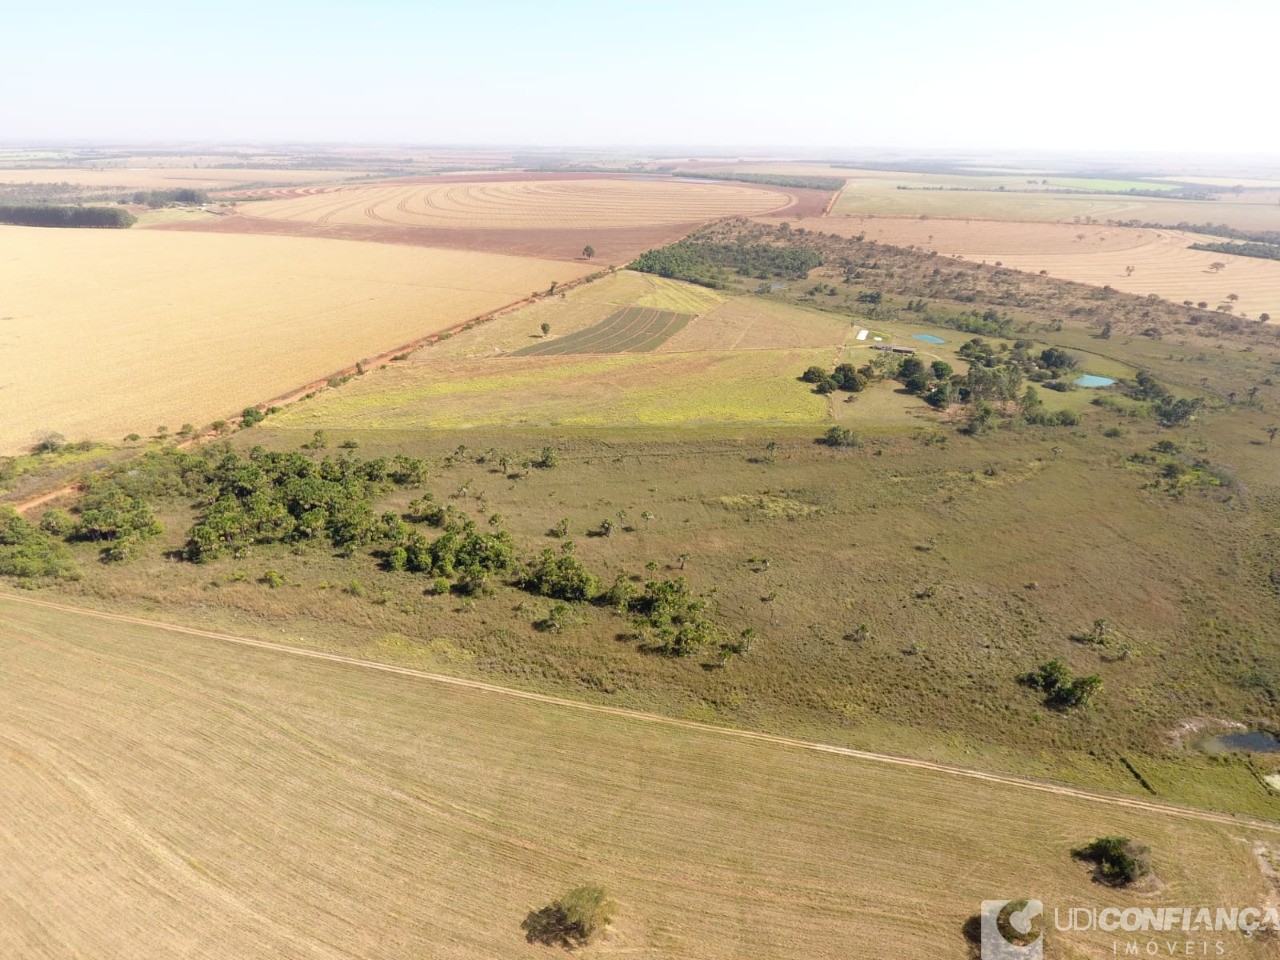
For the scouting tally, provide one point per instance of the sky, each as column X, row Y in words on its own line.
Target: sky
column 1146, row 76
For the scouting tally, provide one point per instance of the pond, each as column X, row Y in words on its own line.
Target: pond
column 1251, row 741
column 1089, row 380
column 927, row 338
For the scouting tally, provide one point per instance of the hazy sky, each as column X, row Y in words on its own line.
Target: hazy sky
column 1124, row 75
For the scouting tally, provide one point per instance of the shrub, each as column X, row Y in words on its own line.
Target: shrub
column 571, row 921
column 841, row 437
column 561, row 576
column 251, row 416
column 273, row 579
column 1061, row 691
column 1119, row 860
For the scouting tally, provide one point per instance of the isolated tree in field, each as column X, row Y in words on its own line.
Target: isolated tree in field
column 573, row 920
column 1272, row 431
column 1119, row 860
column 1233, row 297
column 588, row 251
column 545, row 328
column 1217, row 266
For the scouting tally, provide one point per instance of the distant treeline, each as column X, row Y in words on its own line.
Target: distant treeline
column 161, row 198
column 770, row 179
column 1265, row 251
column 52, row 215
column 1213, row 229
column 708, row 264
column 1158, row 194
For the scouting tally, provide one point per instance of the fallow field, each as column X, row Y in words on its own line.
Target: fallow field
column 104, row 333
column 522, row 205
column 1161, row 260
column 171, row 794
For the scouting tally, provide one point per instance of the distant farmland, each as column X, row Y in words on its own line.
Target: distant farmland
column 631, row 330
column 1161, row 260
column 522, row 205
column 106, row 333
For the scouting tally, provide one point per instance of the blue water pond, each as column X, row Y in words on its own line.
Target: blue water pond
column 1089, row 380
column 1252, row 741
column 927, row 338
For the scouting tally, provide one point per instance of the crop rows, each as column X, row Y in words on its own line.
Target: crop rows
column 630, row 330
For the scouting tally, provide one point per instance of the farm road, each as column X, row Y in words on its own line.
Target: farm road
column 1019, row 783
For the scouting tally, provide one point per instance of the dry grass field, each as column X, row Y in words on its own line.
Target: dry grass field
column 878, row 193
column 1162, row 263
column 103, row 333
column 176, row 795
column 522, row 205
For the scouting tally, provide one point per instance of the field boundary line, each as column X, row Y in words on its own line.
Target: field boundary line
column 1008, row 780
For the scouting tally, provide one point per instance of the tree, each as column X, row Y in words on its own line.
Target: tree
column 545, row 328
column 1272, row 431
column 1119, row 860
column 573, row 920
column 1106, row 331
column 1217, row 266
column 588, row 251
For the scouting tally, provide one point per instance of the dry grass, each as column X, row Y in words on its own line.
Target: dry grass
column 542, row 204
column 166, row 795
column 877, row 193
column 111, row 332
column 1162, row 262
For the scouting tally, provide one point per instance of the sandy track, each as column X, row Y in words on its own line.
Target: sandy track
column 1020, row 783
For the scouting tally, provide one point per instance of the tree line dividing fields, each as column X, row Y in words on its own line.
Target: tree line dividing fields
column 629, row 330
column 56, row 215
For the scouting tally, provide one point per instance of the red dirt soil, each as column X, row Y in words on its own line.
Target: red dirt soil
column 615, row 245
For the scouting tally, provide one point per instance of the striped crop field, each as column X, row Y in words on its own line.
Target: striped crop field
column 629, row 330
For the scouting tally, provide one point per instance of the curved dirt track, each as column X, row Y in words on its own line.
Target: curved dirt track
column 1022, row 783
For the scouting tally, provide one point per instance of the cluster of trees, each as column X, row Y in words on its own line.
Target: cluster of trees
column 55, row 215
column 1120, row 861
column 844, row 377
column 1168, row 410
column 1061, row 690
column 30, row 552
column 770, row 179
column 162, row 198
column 1264, row 251
column 111, row 515
column 272, row 497
column 710, row 264
column 1213, row 229
column 671, row 619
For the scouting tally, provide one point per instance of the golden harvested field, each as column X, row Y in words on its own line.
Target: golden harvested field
column 169, row 178
column 1091, row 254
column 175, row 795
column 522, row 205
column 107, row 332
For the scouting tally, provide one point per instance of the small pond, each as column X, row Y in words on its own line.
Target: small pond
column 927, row 338
column 1251, row 741
column 1089, row 380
